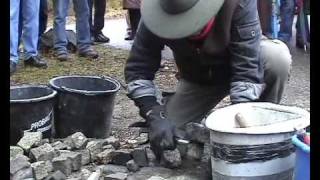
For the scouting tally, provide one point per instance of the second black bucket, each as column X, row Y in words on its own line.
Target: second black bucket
column 84, row 104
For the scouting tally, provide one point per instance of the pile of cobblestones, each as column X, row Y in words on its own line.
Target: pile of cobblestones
column 78, row 157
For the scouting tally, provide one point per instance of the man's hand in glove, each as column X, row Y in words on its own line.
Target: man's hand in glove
column 162, row 131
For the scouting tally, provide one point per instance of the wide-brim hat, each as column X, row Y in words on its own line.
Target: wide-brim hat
column 174, row 19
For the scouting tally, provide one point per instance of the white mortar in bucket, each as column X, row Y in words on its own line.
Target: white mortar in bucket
column 272, row 124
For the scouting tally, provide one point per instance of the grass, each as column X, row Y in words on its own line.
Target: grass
column 110, row 63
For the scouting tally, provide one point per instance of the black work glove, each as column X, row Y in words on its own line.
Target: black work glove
column 162, row 132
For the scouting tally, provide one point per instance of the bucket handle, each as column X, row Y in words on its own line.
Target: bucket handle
column 79, row 91
column 117, row 81
column 305, row 148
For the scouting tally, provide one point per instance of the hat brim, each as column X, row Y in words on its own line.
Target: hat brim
column 176, row 26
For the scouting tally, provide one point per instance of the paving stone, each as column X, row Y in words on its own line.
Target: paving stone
column 24, row 173
column 18, row 163
column 115, row 142
column 42, row 153
column 116, row 176
column 14, row 151
column 58, row 145
column 43, row 141
column 195, row 151
column 104, row 157
column 85, row 156
column 147, row 172
column 140, row 157
column 156, row 178
column 94, row 147
column 29, row 140
column 57, row 175
column 95, row 175
column 121, row 157
column 85, row 173
column 197, row 132
column 171, row 158
column 68, row 141
column 111, row 169
column 41, row 169
column 75, row 158
column 79, row 140
column 152, row 159
column 63, row 164
column 132, row 166
column 109, row 146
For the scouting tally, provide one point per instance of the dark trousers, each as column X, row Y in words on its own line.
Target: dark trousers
column 97, row 24
column 134, row 16
column 43, row 19
column 299, row 25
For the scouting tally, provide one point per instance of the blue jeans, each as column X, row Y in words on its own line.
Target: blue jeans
column 287, row 9
column 82, row 25
column 30, row 28
column 43, row 16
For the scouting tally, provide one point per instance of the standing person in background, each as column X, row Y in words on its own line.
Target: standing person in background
column 81, row 9
column 287, row 9
column 30, row 33
column 43, row 17
column 129, row 31
column 97, row 24
column 303, row 27
column 133, row 7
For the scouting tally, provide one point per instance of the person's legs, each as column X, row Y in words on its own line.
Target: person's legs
column 277, row 65
column 192, row 102
column 90, row 6
column 59, row 26
column 14, row 28
column 299, row 39
column 264, row 9
column 134, row 15
column 129, row 35
column 83, row 29
column 100, row 10
column 287, row 9
column 43, row 16
column 30, row 32
column 20, row 24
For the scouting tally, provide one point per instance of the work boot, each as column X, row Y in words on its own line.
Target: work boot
column 100, row 37
column 13, row 67
column 90, row 54
column 36, row 61
column 62, row 55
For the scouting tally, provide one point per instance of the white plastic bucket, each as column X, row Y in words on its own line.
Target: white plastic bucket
column 282, row 123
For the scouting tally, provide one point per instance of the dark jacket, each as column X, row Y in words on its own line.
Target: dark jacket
column 230, row 53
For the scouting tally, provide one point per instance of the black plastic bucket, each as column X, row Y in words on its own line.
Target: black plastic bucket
column 31, row 109
column 84, row 104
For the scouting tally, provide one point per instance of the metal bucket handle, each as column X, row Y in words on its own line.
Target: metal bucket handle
column 93, row 93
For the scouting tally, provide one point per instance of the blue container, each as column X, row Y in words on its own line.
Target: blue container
column 302, row 166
